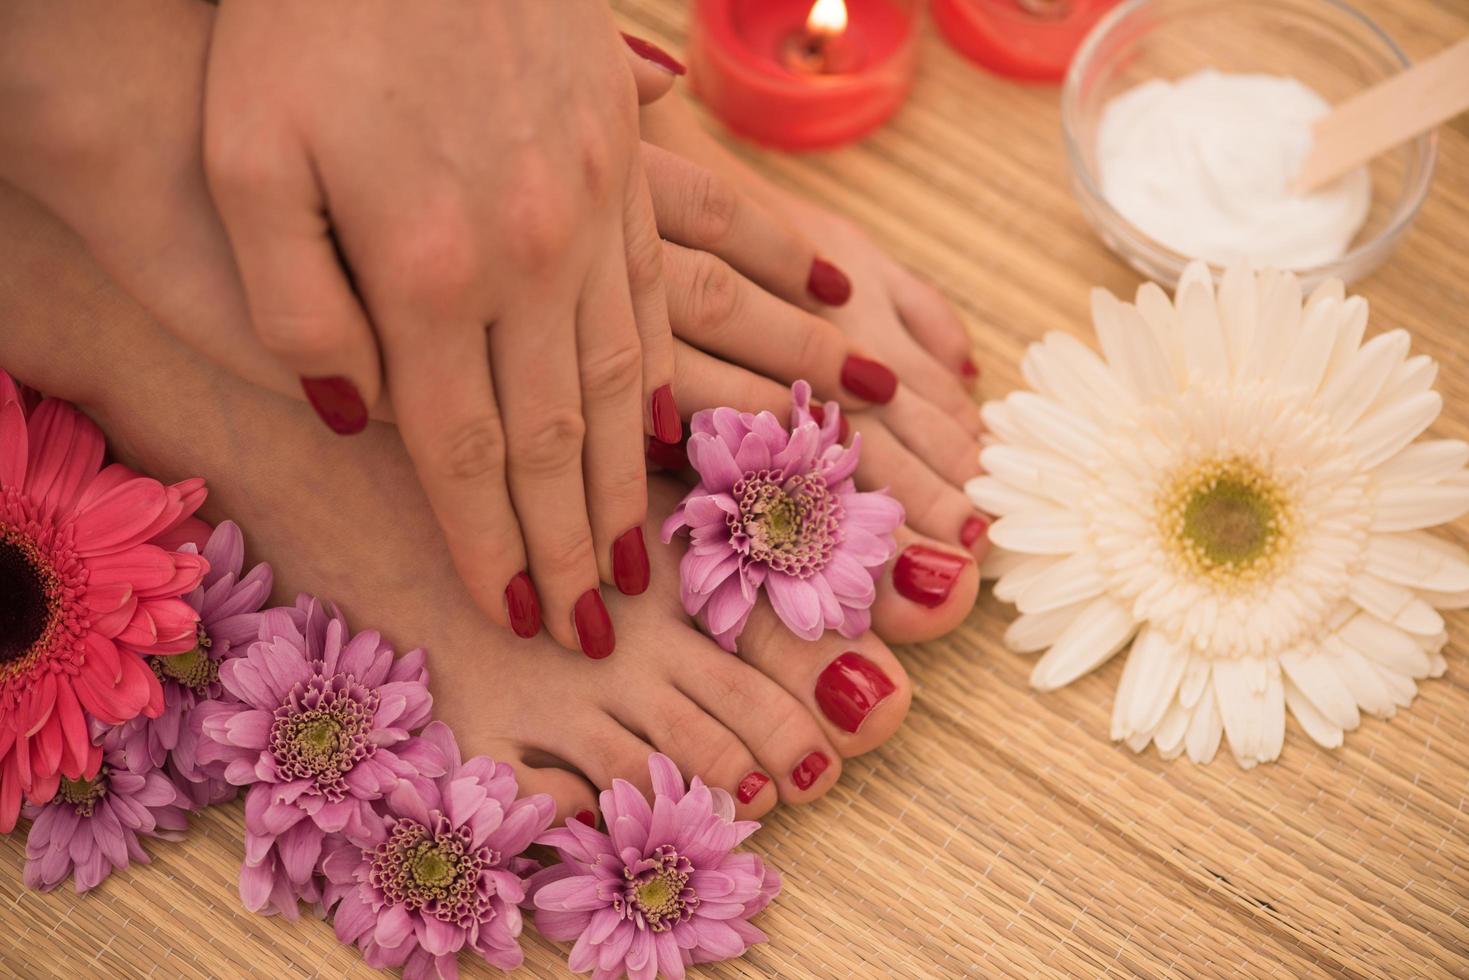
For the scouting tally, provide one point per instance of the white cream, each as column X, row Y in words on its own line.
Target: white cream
column 1204, row 165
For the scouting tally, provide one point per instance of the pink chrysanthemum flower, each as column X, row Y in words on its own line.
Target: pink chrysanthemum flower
column 320, row 729
column 443, row 873
column 229, row 606
column 661, row 889
column 86, row 594
column 92, row 826
column 778, row 508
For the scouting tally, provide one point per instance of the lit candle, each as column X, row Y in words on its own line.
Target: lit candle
column 1026, row 39
column 801, row 75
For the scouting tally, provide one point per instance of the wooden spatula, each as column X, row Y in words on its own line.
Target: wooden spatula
column 1391, row 112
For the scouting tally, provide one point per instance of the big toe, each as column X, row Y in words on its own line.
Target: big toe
column 926, row 592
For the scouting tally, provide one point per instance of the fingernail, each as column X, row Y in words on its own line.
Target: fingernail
column 969, row 370
column 587, row 817
column 809, row 769
column 973, row 530
column 751, row 786
column 849, row 688
column 630, row 563
column 666, row 424
column 669, row 456
column 338, row 402
column 593, row 626
column 828, row 284
column 523, row 606
column 649, row 51
column 868, row 380
column 926, row 576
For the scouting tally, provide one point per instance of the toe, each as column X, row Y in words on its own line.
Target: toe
column 926, row 592
column 574, row 796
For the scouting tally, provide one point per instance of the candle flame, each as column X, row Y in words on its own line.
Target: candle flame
column 828, row 18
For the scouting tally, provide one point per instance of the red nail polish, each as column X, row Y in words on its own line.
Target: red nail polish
column 926, row 576
column 666, row 424
column 809, row 770
column 649, row 51
column 587, row 817
column 969, row 370
column 751, row 786
column 849, row 688
column 523, row 606
column 593, row 626
column 630, row 563
column 973, row 530
column 828, row 284
column 674, row 457
column 869, row 380
column 843, row 429
column 338, row 402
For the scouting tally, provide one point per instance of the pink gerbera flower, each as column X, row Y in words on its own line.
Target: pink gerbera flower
column 443, row 873
column 92, row 826
column 777, row 508
column 320, row 729
column 85, row 594
column 661, row 889
column 229, row 606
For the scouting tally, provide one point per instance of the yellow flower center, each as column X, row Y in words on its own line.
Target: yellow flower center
column 1227, row 521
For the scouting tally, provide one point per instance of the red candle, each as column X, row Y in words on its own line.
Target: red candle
column 1026, row 39
column 799, row 75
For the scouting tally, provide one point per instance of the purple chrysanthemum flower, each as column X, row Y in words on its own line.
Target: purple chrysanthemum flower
column 443, row 872
column 319, row 730
column 778, row 508
column 229, row 615
column 661, row 890
column 91, row 826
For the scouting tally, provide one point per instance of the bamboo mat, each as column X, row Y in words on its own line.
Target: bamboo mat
column 999, row 833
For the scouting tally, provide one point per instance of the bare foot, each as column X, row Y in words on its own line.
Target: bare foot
column 345, row 519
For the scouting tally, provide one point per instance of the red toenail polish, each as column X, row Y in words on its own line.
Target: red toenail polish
column 809, row 770
column 338, row 402
column 587, row 817
column 973, row 530
column 926, row 576
column 670, row 457
column 649, row 51
column 969, row 370
column 849, row 688
column 828, row 284
column 523, row 606
column 751, row 786
column 666, row 424
column 593, row 626
column 869, row 380
column 843, row 429
column 630, row 563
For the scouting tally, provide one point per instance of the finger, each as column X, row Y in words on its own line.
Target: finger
column 611, row 364
column 644, row 258
column 721, row 312
column 301, row 304
column 699, row 209
column 709, row 382
column 933, row 323
column 932, row 435
column 932, row 505
column 452, row 429
column 534, row 363
column 922, row 373
column 653, row 69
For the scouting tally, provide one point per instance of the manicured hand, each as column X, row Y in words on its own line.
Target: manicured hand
column 475, row 166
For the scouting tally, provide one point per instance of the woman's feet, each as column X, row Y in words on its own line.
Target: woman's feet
column 345, row 519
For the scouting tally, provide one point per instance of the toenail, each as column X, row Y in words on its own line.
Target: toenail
column 973, row 530
column 522, row 606
column 809, row 770
column 630, row 563
column 593, row 626
column 587, row 817
column 969, row 370
column 849, row 688
column 751, row 786
column 926, row 576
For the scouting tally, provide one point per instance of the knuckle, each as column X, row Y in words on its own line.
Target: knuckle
column 597, row 164
column 552, row 449
column 713, row 205
column 436, row 261
column 614, row 371
column 540, row 213
column 471, row 450
column 297, row 335
column 715, row 295
column 813, row 343
column 570, row 552
column 237, row 168
column 644, row 262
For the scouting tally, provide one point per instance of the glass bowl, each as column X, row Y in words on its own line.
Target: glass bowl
column 1327, row 44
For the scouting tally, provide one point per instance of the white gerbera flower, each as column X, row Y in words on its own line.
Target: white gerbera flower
column 1234, row 490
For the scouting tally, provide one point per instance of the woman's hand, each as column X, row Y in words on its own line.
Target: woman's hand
column 475, row 166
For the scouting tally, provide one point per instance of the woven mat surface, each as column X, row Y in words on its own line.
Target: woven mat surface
column 999, row 832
